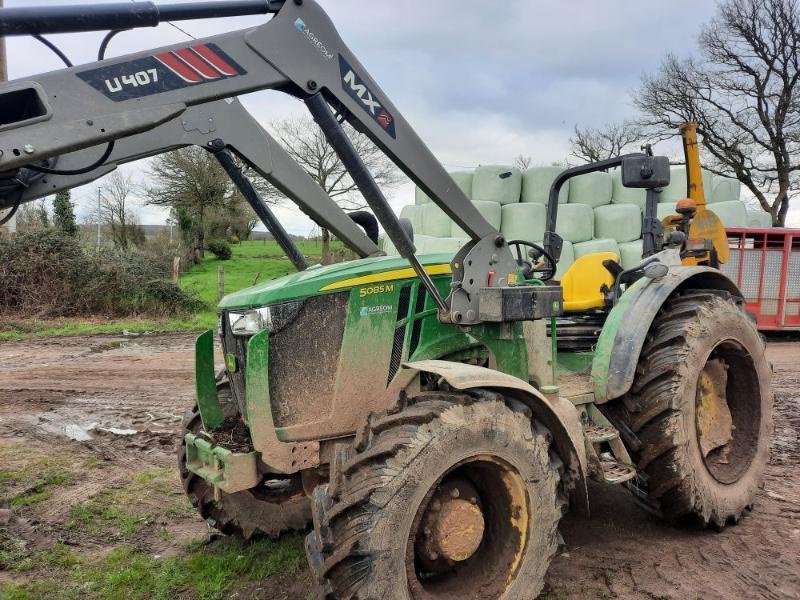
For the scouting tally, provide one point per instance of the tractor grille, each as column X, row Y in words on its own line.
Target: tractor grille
column 303, row 359
column 578, row 333
column 303, row 356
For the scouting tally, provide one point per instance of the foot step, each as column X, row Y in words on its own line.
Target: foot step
column 597, row 434
column 616, row 472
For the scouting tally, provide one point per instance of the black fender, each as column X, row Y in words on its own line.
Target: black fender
column 625, row 330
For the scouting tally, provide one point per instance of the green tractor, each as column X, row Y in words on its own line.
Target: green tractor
column 433, row 416
column 436, row 459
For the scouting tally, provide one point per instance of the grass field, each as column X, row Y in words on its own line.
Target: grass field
column 252, row 261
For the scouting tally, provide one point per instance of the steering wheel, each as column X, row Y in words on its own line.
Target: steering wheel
column 541, row 262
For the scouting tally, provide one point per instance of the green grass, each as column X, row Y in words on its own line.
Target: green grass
column 252, row 261
column 206, row 572
column 30, row 484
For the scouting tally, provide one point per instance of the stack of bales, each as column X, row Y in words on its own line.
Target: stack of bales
column 596, row 213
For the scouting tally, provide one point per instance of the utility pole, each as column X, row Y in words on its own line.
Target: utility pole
column 12, row 224
column 98, row 216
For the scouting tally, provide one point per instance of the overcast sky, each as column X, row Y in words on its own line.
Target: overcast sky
column 481, row 82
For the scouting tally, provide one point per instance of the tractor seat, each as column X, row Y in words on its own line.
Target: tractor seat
column 583, row 282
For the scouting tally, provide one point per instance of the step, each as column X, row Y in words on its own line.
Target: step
column 597, row 434
column 616, row 472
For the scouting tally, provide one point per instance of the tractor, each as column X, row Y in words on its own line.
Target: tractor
column 430, row 418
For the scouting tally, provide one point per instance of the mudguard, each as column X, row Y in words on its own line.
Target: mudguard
column 557, row 414
column 624, row 332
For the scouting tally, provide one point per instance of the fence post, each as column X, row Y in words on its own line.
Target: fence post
column 221, row 281
column 176, row 269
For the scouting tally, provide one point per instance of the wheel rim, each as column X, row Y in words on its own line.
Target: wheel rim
column 728, row 412
column 469, row 533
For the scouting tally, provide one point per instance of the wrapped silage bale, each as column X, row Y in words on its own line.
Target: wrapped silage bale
column 575, row 222
column 490, row 211
column 732, row 214
column 497, row 183
column 389, row 248
column 630, row 254
column 620, row 222
column 592, row 189
column 421, row 197
column 413, row 213
column 536, row 184
column 725, row 190
column 523, row 221
column 623, row 195
column 677, row 185
column 758, row 219
column 665, row 210
column 445, row 245
column 566, row 259
column 592, row 246
column 434, row 221
column 463, row 180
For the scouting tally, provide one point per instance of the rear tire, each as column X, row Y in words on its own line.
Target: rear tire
column 701, row 410
column 260, row 511
column 372, row 535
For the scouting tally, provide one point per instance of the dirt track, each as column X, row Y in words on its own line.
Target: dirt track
column 123, row 399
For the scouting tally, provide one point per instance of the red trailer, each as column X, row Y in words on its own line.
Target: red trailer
column 765, row 264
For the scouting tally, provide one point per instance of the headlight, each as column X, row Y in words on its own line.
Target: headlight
column 272, row 318
column 250, row 322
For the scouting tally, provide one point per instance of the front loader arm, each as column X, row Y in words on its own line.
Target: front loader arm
column 202, row 126
column 298, row 52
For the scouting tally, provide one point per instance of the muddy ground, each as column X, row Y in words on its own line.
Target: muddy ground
column 82, row 418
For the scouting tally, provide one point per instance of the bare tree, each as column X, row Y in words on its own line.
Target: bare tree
column 33, row 216
column 591, row 145
column 115, row 210
column 307, row 145
column 202, row 198
column 742, row 90
column 523, row 163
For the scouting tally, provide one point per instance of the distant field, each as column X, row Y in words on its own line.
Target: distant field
column 262, row 259
column 250, row 259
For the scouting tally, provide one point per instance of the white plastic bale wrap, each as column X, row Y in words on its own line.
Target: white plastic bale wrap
column 566, row 260
column 621, row 222
column 389, row 248
column 592, row 246
column 434, row 221
column 677, row 185
column 593, row 189
column 725, row 190
column 665, row 210
column 463, row 180
column 758, row 219
column 497, row 183
column 623, row 195
column 732, row 214
column 630, row 254
column 447, row 245
column 490, row 211
column 523, row 221
column 536, row 183
column 575, row 222
column 413, row 213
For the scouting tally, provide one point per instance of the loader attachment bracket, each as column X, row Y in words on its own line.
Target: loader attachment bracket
column 227, row 471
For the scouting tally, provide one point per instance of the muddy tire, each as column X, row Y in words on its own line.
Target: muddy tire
column 447, row 498
column 701, row 410
column 266, row 510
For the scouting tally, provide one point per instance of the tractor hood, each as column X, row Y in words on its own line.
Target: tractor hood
column 320, row 279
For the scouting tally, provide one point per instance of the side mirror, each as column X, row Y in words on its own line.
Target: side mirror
column 645, row 172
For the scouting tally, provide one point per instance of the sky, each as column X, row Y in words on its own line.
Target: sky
column 481, row 82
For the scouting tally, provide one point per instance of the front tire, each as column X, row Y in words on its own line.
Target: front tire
column 274, row 507
column 447, row 498
column 701, row 410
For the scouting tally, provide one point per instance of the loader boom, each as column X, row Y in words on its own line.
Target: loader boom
column 204, row 126
column 299, row 52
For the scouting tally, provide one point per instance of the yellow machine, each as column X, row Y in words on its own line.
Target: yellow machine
column 706, row 240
